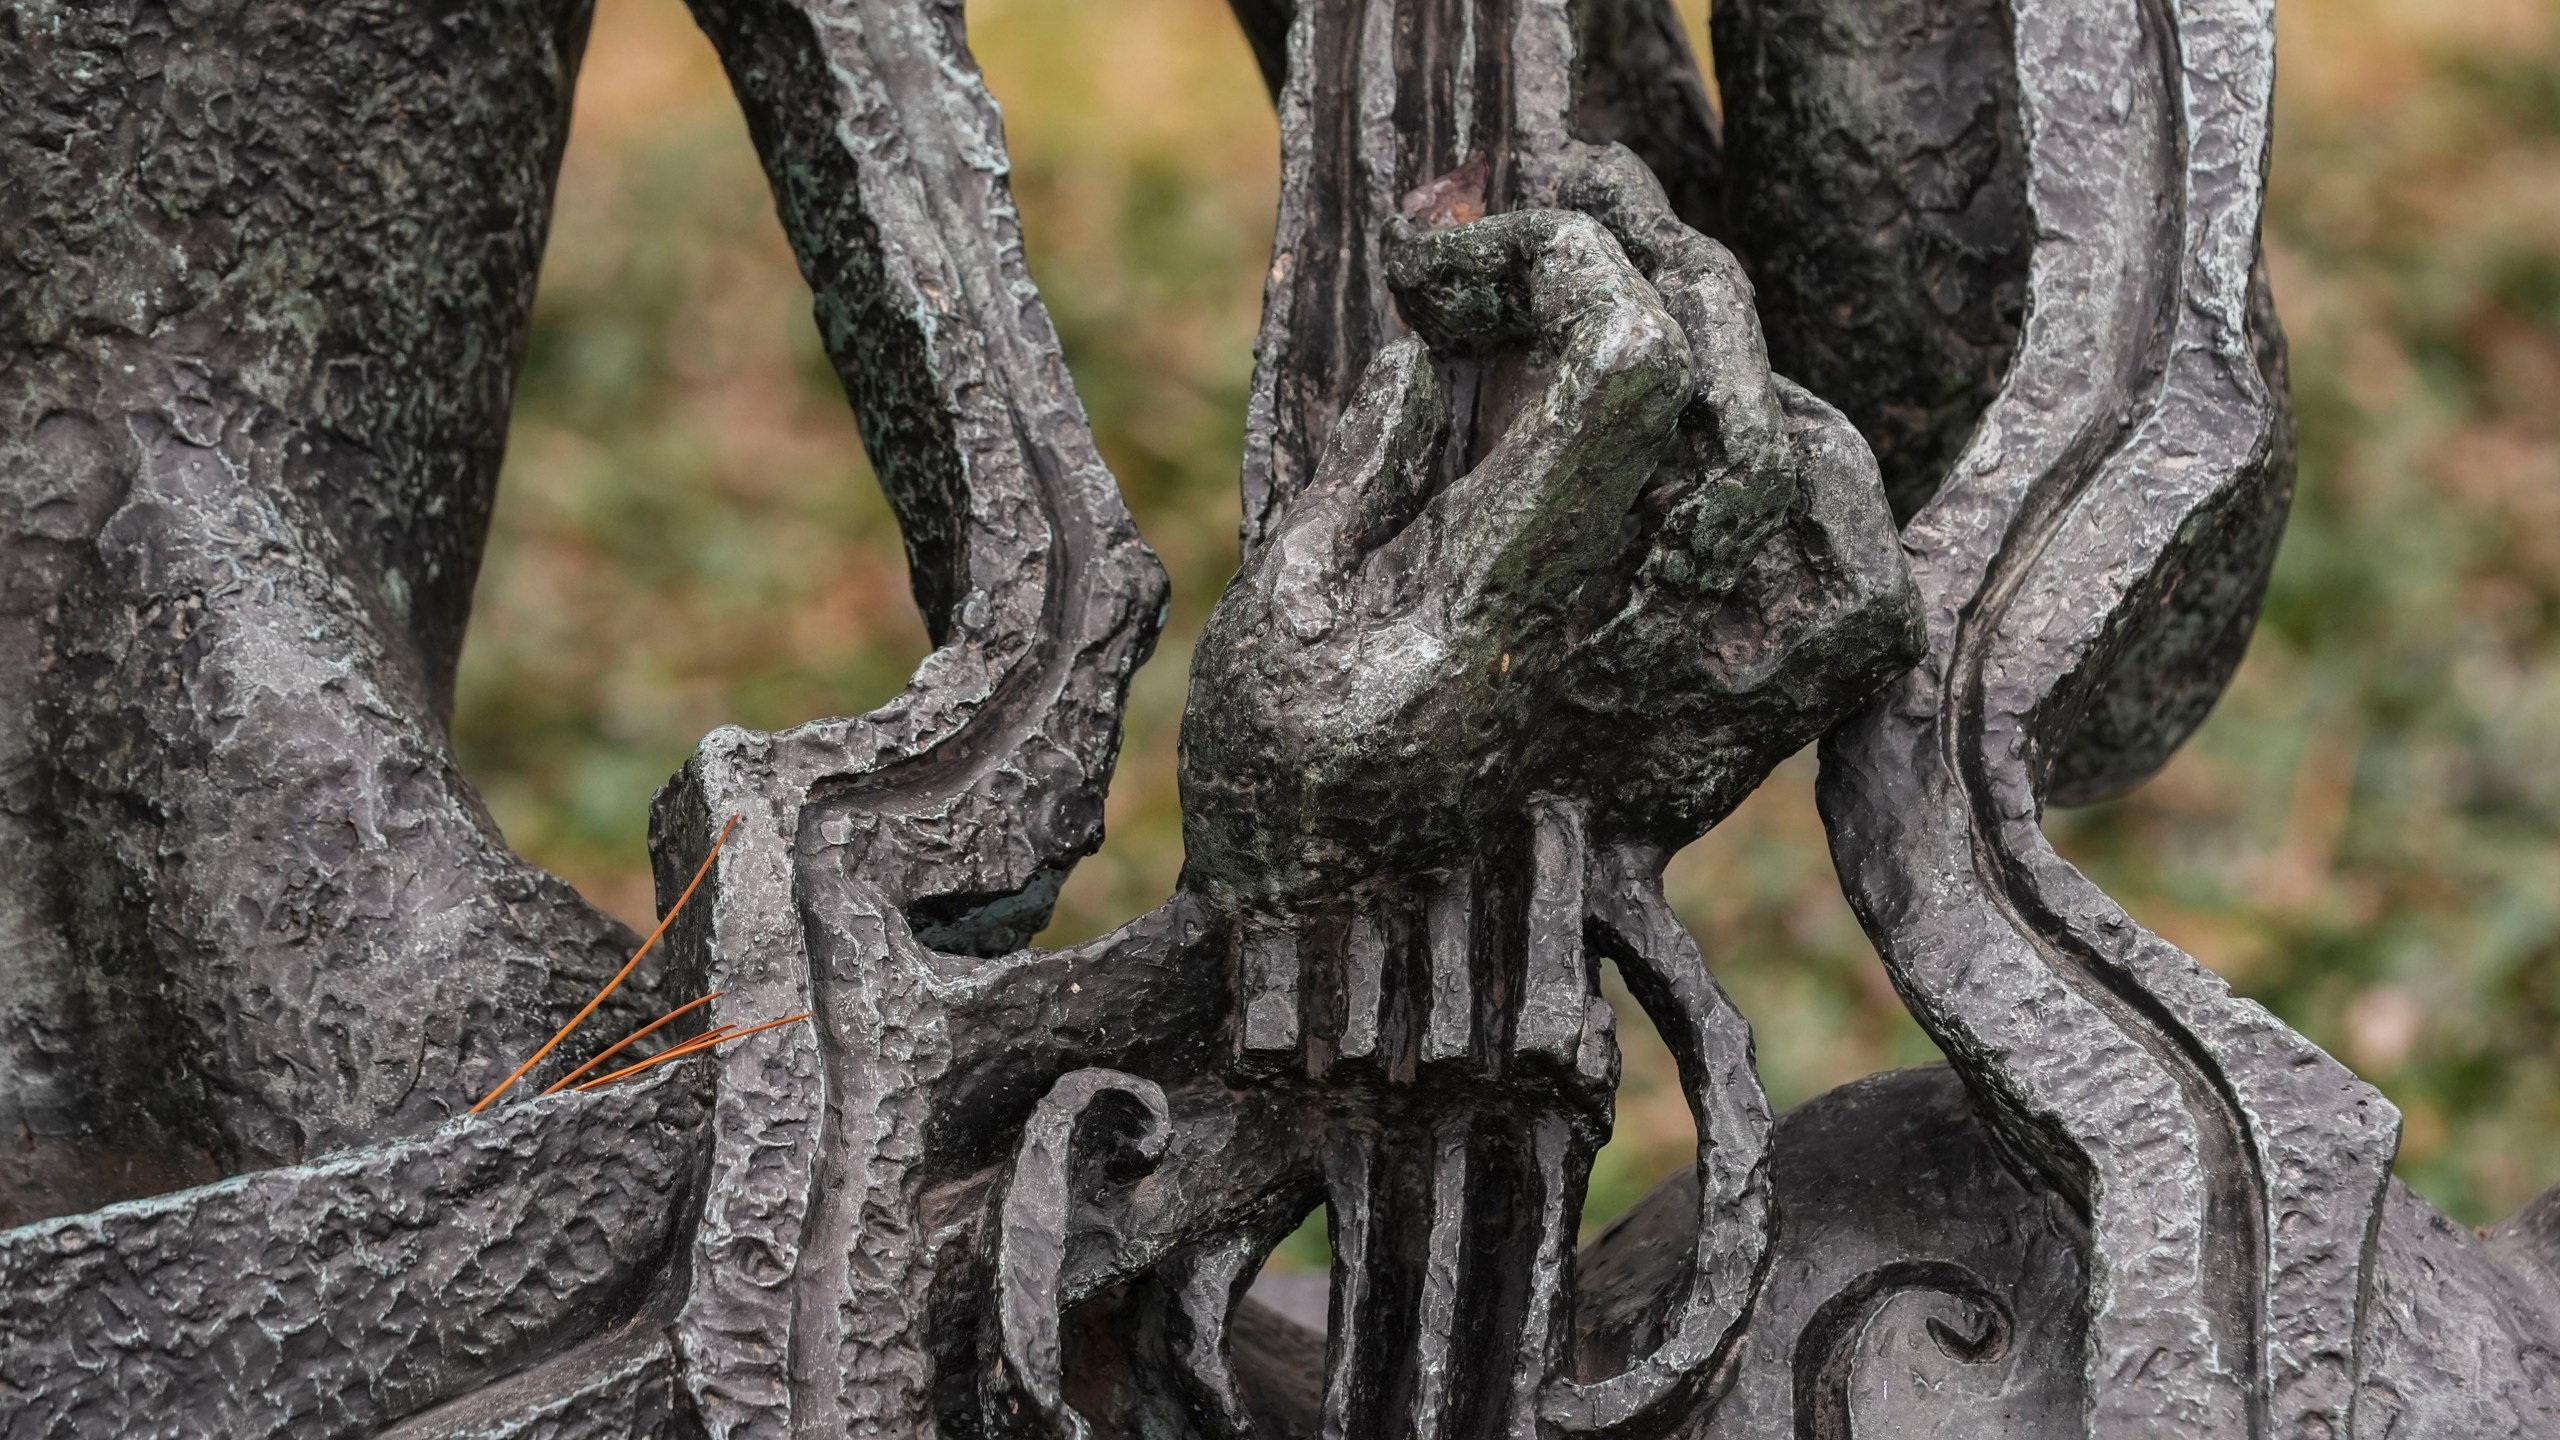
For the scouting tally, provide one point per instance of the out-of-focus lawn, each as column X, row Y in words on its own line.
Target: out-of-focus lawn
column 2366, row 836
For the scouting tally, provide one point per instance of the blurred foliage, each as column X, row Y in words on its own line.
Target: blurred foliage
column 2366, row 835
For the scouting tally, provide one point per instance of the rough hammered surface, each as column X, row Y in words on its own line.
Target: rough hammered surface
column 876, row 857
column 1876, row 186
column 334, row 1299
column 2231, row 1173
column 617, row 1386
column 1544, row 567
column 264, row 278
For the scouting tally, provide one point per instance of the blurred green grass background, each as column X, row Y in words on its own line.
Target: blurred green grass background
column 2366, row 835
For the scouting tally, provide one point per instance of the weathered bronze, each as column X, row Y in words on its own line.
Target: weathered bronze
column 1554, row 545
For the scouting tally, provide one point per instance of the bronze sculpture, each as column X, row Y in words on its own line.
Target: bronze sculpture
column 1545, row 568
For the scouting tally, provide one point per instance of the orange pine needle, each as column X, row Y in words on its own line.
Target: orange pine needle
column 695, row 1047
column 619, row 976
column 618, row 1046
column 703, row 1041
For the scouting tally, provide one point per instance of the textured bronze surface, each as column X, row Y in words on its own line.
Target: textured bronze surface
column 1545, row 566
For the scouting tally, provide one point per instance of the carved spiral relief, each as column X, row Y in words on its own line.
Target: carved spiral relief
column 1828, row 1348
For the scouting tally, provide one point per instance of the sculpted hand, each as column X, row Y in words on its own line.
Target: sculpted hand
column 1389, row 633
column 1448, row 721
